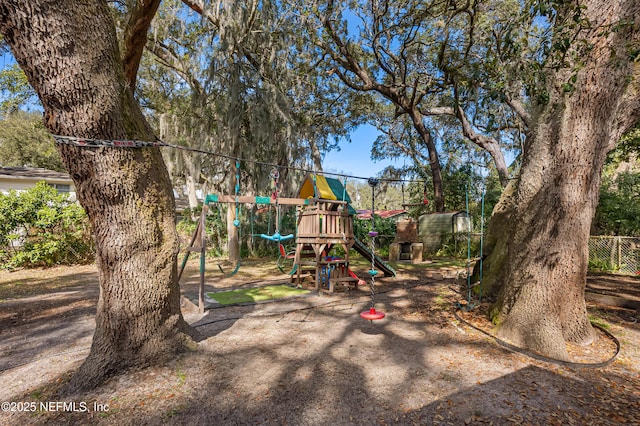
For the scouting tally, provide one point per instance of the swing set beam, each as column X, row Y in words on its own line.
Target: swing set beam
column 247, row 199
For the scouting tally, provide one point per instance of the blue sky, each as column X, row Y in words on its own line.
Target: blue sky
column 355, row 158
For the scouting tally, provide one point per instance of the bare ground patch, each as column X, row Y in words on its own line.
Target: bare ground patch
column 311, row 360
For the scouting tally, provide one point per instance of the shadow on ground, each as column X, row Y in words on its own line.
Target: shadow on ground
column 313, row 361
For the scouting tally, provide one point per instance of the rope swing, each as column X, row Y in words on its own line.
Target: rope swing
column 372, row 314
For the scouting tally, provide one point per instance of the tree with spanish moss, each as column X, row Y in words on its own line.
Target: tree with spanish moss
column 584, row 100
column 87, row 91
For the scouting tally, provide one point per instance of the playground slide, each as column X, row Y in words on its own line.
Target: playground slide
column 353, row 275
column 377, row 261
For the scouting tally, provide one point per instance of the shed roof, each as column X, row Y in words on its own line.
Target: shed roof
column 385, row 214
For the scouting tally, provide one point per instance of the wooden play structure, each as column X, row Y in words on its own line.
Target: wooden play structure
column 324, row 222
column 323, row 225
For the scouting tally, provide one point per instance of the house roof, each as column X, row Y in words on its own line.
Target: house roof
column 385, row 214
column 182, row 203
column 33, row 174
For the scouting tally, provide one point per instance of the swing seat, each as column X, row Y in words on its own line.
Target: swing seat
column 372, row 315
column 232, row 273
column 286, row 256
column 283, row 252
column 277, row 237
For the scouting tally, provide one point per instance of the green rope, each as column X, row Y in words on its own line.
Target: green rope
column 481, row 244
column 344, row 190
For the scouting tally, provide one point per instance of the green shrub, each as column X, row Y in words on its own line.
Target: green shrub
column 457, row 246
column 386, row 229
column 39, row 227
column 619, row 206
column 601, row 265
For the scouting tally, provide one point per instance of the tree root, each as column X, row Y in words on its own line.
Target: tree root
column 547, row 359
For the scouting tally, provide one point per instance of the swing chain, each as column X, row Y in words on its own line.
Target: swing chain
column 275, row 175
column 236, row 220
column 373, row 234
column 372, row 283
column 237, row 187
column 425, row 200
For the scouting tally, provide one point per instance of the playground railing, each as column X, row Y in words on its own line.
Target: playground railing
column 327, row 224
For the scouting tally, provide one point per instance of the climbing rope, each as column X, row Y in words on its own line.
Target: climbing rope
column 372, row 314
column 466, row 204
column 478, row 284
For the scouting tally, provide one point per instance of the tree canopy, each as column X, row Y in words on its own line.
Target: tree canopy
column 25, row 142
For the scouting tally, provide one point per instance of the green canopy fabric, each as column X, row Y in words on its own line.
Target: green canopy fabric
column 323, row 185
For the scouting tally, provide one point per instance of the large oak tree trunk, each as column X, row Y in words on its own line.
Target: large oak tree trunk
column 539, row 259
column 434, row 161
column 69, row 51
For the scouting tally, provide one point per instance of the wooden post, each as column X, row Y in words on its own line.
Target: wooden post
column 203, row 253
column 186, row 255
column 416, row 252
column 198, row 238
column 619, row 252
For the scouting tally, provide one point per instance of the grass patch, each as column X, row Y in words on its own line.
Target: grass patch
column 252, row 295
column 599, row 322
column 182, row 377
column 441, row 301
column 447, row 262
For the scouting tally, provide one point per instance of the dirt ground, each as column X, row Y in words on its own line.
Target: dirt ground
column 313, row 361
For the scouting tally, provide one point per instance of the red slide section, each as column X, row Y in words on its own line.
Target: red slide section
column 353, row 275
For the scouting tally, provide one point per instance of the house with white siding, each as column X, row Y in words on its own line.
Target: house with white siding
column 23, row 178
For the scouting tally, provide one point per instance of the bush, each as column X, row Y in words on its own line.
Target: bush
column 619, row 206
column 40, row 227
column 386, row 229
column 457, row 246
